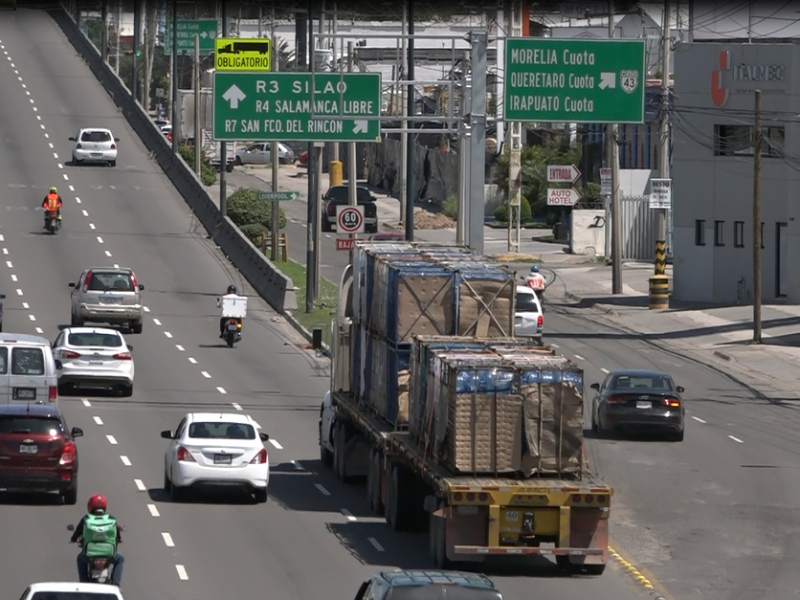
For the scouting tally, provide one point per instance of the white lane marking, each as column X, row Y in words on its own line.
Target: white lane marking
column 71, row 188
column 98, row 420
column 180, row 348
column 2, row 238
column 78, row 200
column 125, row 460
column 168, row 334
column 26, row 305
column 221, row 390
column 66, row 177
column 156, row 321
column 604, row 370
column 47, row 136
column 39, row 330
column 13, row 277
column 145, row 309
column 153, row 510
column 9, row 265
column 348, row 515
column 140, row 485
column 579, row 357
column 554, row 345
column 236, row 405
column 86, row 402
column 31, row 317
column 698, row 419
column 116, row 266
column 375, row 544
column 19, row 292
column 85, row 212
column 322, row 489
column 99, row 240
column 276, row 444
column 60, row 166
column 735, row 439
column 297, row 466
column 5, row 250
column 168, row 539
column 181, row 572
column 111, row 440
column 91, row 226
column 108, row 254
column 205, row 374
column 192, row 360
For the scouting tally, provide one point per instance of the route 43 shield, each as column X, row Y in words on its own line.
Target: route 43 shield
column 629, row 81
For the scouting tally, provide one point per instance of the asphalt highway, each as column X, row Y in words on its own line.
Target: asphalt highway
column 314, row 538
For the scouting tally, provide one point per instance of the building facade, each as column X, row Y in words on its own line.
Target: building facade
column 713, row 171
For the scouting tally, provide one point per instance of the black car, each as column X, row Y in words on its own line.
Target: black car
column 339, row 195
column 638, row 400
column 428, row 585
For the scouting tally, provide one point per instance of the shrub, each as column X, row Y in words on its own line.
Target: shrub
column 501, row 212
column 246, row 211
column 254, row 232
column 450, row 207
column 208, row 174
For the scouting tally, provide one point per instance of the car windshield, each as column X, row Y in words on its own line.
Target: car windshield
column 118, row 282
column 340, row 193
column 108, row 340
column 655, row 382
column 95, row 136
column 27, row 361
column 222, row 431
column 526, row 303
column 73, row 596
column 441, row 592
column 30, row 424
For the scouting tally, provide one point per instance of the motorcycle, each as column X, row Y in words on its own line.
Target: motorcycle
column 234, row 310
column 98, row 570
column 233, row 332
column 52, row 222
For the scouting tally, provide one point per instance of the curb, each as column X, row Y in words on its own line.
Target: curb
column 637, row 576
column 326, row 350
column 598, row 308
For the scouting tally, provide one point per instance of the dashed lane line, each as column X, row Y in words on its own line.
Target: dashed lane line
column 276, row 444
column 192, row 360
column 322, row 489
column 735, row 439
column 182, row 575
column 140, row 485
column 111, row 440
column 236, row 405
column 167, row 539
column 125, row 460
column 98, row 420
column 221, row 390
column 348, row 515
column 698, row 419
column 153, row 510
column 376, row 544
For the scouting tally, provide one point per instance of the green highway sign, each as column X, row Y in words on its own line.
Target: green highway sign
column 574, row 81
column 286, row 106
column 187, row 29
column 277, row 196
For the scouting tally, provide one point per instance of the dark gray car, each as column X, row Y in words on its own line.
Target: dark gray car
column 638, row 400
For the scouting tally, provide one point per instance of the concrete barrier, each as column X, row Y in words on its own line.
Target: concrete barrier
column 272, row 285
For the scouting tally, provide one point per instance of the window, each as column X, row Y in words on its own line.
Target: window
column 737, row 140
column 96, row 136
column 35, row 425
column 699, row 233
column 59, row 595
column 3, row 361
column 222, row 431
column 441, row 592
column 107, row 340
column 719, row 233
column 27, row 361
column 527, row 303
column 102, row 282
column 738, row 234
column 642, row 382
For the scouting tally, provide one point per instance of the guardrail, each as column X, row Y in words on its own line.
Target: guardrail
column 272, row 285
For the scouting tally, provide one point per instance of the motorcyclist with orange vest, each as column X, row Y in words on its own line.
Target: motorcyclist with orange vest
column 52, row 203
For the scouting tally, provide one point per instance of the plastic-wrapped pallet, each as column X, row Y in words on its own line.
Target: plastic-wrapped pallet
column 388, row 377
column 486, row 296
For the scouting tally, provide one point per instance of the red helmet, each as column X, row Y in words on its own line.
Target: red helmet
column 97, row 502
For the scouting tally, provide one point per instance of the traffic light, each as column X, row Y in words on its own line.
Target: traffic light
column 130, row 53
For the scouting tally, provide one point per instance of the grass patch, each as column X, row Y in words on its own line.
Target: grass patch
column 517, row 258
column 324, row 306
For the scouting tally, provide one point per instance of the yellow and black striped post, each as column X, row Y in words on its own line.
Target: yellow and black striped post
column 659, row 283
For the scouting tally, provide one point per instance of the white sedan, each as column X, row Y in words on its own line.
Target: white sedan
column 216, row 450
column 95, row 358
column 94, row 146
column 529, row 318
column 63, row 590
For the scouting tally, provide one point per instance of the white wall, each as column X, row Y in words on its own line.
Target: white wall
column 588, row 233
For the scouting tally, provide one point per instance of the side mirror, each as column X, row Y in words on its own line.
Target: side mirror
column 373, row 198
column 77, row 432
column 70, row 527
column 59, row 365
column 72, row 284
column 264, row 437
column 595, row 386
column 72, row 139
column 116, row 139
column 2, row 296
column 130, row 347
column 680, row 389
column 167, row 435
column 141, row 287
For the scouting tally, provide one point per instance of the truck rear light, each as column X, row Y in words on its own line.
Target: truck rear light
column 483, row 497
column 470, row 497
column 69, row 354
column 576, row 498
column 52, row 393
column 260, row 458
column 458, row 496
column 184, row 455
column 601, row 499
column 68, row 454
column 588, row 498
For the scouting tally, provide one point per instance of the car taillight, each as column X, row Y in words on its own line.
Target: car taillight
column 87, row 281
column 260, row 458
column 184, row 455
column 616, row 400
column 134, row 282
column 53, row 393
column 540, row 320
column 331, row 208
column 69, row 354
column 68, row 454
column 673, row 402
column 123, row 356
column 113, row 146
column 78, row 146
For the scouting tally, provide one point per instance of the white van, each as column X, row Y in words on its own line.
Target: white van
column 27, row 370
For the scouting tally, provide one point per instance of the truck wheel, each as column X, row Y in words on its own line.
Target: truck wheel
column 374, row 483
column 399, row 507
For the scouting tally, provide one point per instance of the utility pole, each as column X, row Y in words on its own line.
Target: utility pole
column 757, row 135
column 176, row 115
column 311, row 167
column 137, row 29
column 410, row 108
column 661, row 240
column 260, row 30
column 104, row 32
column 616, row 204
column 463, row 155
column 336, row 60
column 117, row 21
column 514, row 29
column 146, row 43
column 223, row 147
column 401, row 167
column 198, row 134
column 276, row 165
column 321, row 35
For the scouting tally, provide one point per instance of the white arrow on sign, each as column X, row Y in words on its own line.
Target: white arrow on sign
column 562, row 173
column 234, row 95
column 608, row 80
column 361, row 126
column 562, row 197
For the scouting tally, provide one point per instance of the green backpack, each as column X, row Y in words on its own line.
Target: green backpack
column 100, row 536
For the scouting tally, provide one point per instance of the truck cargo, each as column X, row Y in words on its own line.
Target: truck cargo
column 459, row 429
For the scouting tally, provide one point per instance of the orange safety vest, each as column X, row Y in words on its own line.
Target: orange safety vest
column 52, row 201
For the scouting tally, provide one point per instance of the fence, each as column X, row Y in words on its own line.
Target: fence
column 640, row 229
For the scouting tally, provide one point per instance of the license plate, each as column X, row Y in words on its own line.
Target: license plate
column 96, row 153
column 232, row 327
column 222, row 459
column 28, row 449
column 644, row 404
column 24, row 394
column 110, row 299
column 95, row 361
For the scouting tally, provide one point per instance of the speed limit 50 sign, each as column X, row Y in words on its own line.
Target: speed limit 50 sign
column 349, row 219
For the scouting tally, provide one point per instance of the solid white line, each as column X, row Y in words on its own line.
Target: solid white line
column 108, row 254
column 698, row 419
column 375, row 544
column 39, row 330
column 86, row 402
column 348, row 514
column 221, row 390
column 168, row 539
column 99, row 240
column 111, row 440
column 31, row 317
column 735, row 439
column 205, row 374
column 297, row 465
column 236, row 406
column 153, row 510
column 322, row 489
column 156, row 321
column 181, row 572
column 276, row 444
column 579, row 357
column 140, row 485
column 168, row 334
column 604, row 370
column 98, row 420
column 85, row 212
column 192, row 360
column 145, row 309
column 180, row 348
column 25, row 305
column 125, row 460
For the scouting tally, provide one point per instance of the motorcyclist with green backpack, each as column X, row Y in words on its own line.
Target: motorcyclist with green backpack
column 99, row 534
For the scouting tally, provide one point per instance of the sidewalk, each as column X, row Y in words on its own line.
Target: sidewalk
column 718, row 336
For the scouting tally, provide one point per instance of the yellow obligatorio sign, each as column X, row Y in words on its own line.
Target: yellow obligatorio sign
column 242, row 54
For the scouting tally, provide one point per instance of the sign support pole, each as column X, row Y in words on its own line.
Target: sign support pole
column 411, row 143
column 311, row 167
column 661, row 241
column 275, row 157
column 477, row 184
column 515, row 153
column 104, row 32
column 757, row 137
column 173, row 76
column 352, row 193
column 223, row 146
column 616, row 204
column 198, row 134
column 137, row 28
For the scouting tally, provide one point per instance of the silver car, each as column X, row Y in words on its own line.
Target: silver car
column 94, row 357
column 259, row 154
column 94, row 146
column 107, row 295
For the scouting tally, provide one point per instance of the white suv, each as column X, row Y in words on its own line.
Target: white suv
column 529, row 318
